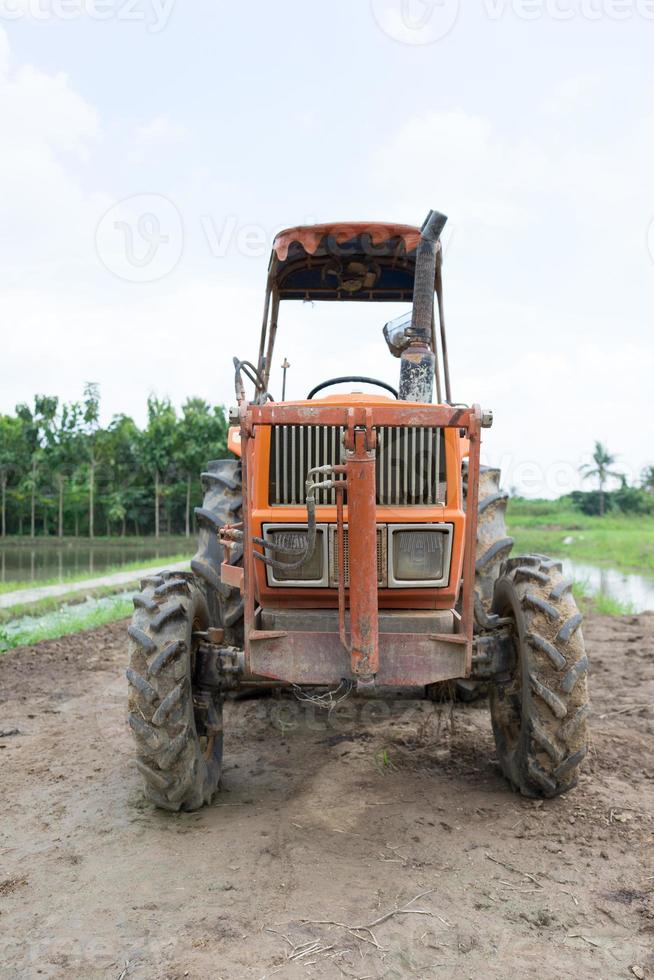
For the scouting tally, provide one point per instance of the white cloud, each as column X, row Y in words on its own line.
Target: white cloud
column 47, row 136
column 570, row 94
column 161, row 130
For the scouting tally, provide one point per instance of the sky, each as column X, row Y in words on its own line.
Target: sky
column 150, row 149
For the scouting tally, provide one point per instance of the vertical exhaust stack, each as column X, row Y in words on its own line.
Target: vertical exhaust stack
column 418, row 359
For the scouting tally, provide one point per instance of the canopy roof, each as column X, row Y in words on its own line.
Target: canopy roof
column 356, row 260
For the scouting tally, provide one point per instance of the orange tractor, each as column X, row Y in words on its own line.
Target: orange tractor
column 354, row 544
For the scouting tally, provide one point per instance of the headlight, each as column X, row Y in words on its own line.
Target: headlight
column 419, row 555
column 312, row 572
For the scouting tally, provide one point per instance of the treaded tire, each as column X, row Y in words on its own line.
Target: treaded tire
column 493, row 543
column 180, row 771
column 493, row 547
column 222, row 504
column 539, row 712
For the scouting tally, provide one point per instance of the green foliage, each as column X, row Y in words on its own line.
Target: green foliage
column 68, row 619
column 62, row 472
column 558, row 528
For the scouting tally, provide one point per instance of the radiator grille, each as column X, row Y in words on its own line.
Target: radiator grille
column 333, row 556
column 410, row 468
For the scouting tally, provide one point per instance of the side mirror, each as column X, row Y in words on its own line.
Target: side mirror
column 397, row 334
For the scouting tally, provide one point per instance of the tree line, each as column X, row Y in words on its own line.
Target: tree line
column 626, row 499
column 63, row 473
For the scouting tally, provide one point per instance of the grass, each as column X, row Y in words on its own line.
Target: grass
column 69, row 619
column 51, row 604
column 599, row 602
column 133, row 566
column 622, row 541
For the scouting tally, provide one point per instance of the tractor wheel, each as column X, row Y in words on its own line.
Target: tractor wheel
column 539, row 711
column 493, row 546
column 222, row 504
column 493, row 543
column 178, row 731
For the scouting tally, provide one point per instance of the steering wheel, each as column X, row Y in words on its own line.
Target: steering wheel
column 352, row 377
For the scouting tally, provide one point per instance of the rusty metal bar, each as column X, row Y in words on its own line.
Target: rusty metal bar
column 362, row 544
column 406, row 659
column 437, row 371
column 249, row 591
column 264, row 326
column 340, row 550
column 396, row 415
column 441, row 319
column 274, row 317
column 467, row 603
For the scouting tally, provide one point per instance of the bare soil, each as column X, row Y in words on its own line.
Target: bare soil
column 325, row 823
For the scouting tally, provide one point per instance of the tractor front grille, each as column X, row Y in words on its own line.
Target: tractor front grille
column 410, row 468
column 333, row 556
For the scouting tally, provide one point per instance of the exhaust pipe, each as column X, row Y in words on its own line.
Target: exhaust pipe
column 418, row 359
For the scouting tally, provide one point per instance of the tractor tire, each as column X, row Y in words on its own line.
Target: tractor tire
column 178, row 754
column 493, row 546
column 539, row 711
column 493, row 543
column 222, row 504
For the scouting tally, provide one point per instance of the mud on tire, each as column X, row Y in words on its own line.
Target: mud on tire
column 493, row 543
column 539, row 712
column 493, row 547
column 222, row 504
column 179, row 755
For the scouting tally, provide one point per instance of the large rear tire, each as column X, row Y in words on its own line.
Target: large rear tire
column 493, row 543
column 222, row 504
column 493, row 547
column 177, row 730
column 539, row 711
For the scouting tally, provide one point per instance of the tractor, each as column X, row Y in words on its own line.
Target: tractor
column 353, row 544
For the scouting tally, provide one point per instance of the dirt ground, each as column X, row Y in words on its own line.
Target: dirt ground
column 324, row 824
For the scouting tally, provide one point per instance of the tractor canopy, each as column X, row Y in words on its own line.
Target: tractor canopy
column 368, row 261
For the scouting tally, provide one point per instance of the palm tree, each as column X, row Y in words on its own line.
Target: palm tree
column 603, row 460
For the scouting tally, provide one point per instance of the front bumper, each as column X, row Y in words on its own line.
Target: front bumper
column 303, row 647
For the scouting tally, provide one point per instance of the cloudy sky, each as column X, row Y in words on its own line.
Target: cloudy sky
column 149, row 150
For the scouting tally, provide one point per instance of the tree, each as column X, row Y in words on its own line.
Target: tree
column 57, row 461
column 36, row 429
column 123, row 452
column 603, row 460
column 158, row 447
column 201, row 435
column 64, row 452
column 12, row 454
column 647, row 479
column 91, row 417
